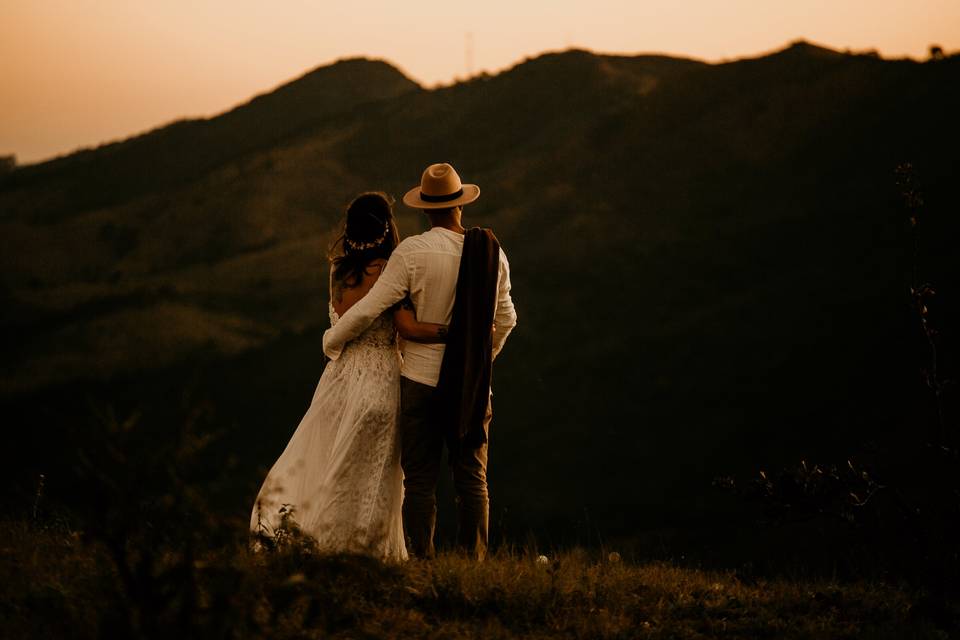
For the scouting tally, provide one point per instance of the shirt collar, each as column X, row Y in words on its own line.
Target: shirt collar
column 448, row 232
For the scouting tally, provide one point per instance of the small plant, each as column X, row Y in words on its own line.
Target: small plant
column 923, row 297
column 287, row 534
column 845, row 493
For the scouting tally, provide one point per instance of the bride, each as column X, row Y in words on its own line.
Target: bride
column 339, row 477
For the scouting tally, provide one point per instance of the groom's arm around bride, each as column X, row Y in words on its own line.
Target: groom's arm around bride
column 391, row 287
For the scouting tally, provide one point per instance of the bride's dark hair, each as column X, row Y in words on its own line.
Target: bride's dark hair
column 369, row 232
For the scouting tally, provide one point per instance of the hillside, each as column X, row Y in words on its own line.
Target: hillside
column 709, row 264
column 183, row 151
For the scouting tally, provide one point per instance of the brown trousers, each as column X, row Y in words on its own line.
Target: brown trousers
column 421, row 448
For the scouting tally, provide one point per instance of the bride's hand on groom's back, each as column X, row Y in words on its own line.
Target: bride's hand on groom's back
column 409, row 328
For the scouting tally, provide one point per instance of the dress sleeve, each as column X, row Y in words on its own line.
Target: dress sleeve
column 505, row 317
column 391, row 287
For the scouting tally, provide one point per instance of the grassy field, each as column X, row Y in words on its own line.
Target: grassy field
column 62, row 583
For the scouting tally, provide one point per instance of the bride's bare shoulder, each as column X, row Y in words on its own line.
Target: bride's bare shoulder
column 347, row 295
column 375, row 267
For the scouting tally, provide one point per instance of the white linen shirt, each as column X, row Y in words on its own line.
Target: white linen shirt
column 425, row 267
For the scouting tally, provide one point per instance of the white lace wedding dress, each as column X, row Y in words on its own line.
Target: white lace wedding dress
column 340, row 473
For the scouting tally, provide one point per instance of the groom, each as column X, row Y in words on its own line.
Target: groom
column 427, row 269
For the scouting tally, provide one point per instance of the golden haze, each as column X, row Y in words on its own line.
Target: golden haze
column 80, row 72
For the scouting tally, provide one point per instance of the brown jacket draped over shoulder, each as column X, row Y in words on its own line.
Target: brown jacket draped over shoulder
column 463, row 389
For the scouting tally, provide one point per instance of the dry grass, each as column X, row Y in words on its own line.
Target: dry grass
column 54, row 583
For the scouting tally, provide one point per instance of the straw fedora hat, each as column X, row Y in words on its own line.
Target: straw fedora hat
column 440, row 188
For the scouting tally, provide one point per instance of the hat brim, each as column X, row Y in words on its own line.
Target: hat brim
column 412, row 198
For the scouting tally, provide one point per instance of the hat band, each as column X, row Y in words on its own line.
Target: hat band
column 446, row 198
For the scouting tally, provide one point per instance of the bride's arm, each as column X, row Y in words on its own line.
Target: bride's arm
column 409, row 328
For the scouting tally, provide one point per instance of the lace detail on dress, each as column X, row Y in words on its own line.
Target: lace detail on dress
column 381, row 333
column 340, row 472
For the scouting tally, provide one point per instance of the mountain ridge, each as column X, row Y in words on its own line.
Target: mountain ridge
column 287, row 90
column 172, row 150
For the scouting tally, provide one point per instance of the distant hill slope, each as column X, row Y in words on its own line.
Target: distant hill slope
column 183, row 151
column 709, row 263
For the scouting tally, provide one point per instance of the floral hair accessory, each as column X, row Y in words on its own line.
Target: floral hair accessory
column 359, row 246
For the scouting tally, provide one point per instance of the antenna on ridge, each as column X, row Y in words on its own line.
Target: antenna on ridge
column 468, row 53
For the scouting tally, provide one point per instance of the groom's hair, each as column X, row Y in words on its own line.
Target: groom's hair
column 440, row 213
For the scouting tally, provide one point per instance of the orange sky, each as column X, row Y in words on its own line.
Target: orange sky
column 79, row 72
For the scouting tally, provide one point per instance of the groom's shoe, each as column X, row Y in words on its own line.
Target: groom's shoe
column 472, row 519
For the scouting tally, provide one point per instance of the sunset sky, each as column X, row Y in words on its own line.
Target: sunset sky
column 80, row 72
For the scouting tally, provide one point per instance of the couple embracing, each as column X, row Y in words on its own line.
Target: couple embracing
column 360, row 472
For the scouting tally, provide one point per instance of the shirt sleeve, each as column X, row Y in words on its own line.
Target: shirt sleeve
column 391, row 287
column 505, row 316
